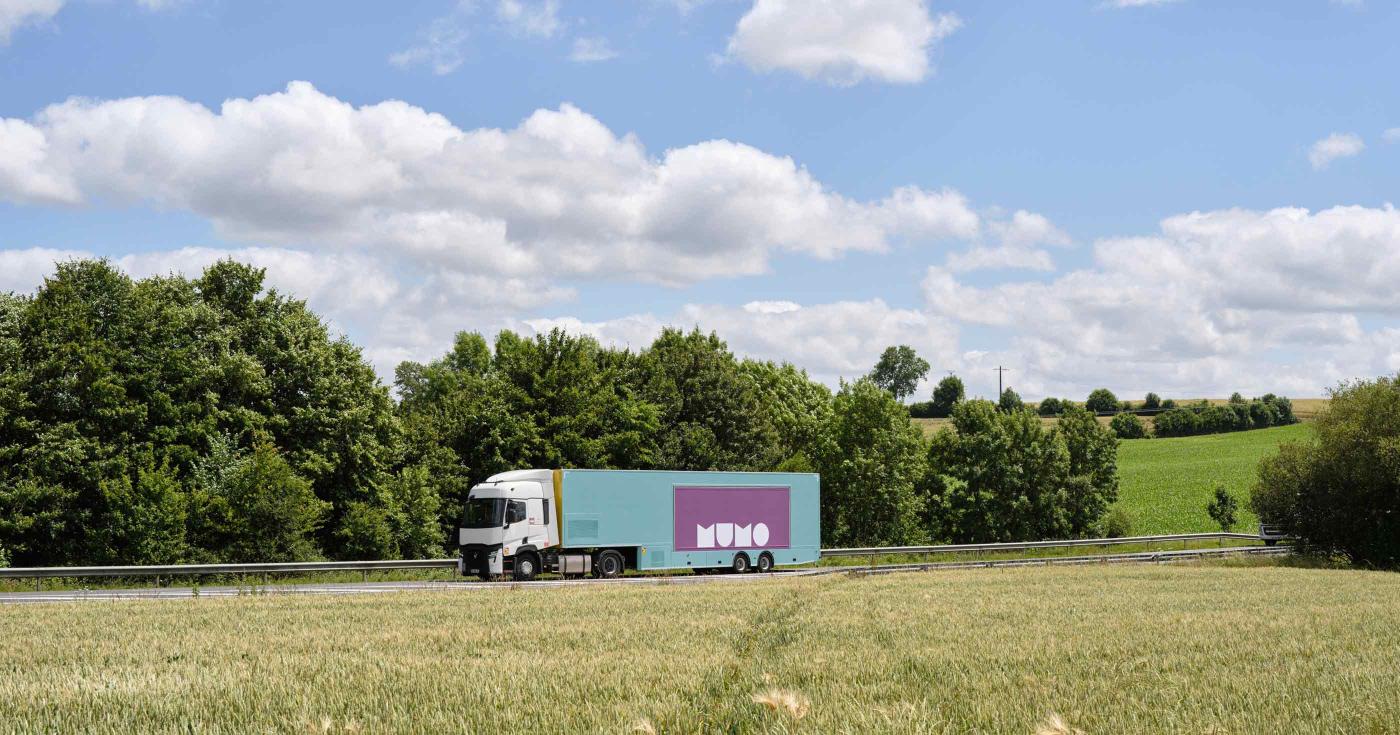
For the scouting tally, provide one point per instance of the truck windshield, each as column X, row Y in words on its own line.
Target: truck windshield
column 484, row 513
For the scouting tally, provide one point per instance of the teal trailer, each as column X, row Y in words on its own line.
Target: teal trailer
column 602, row 522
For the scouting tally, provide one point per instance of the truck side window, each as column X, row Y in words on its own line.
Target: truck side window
column 545, row 520
column 515, row 512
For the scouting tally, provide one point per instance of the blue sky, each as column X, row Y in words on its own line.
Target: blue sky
column 1189, row 197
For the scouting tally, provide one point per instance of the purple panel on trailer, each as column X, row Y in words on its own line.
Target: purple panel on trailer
column 731, row 518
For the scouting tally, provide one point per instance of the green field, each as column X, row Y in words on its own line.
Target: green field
column 1166, row 483
column 1189, row 649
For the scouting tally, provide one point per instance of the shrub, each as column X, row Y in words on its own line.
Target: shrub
column 922, row 410
column 1176, row 422
column 1152, row 402
column 948, row 393
column 1050, row 407
column 1222, row 508
column 1102, row 400
column 1236, row 397
column 1117, row 523
column 1128, row 426
column 1010, row 401
column 1340, row 493
column 1170, row 403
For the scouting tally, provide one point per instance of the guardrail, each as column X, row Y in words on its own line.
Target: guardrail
column 181, row 570
column 1026, row 545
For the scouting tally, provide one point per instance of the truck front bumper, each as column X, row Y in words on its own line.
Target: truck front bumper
column 482, row 562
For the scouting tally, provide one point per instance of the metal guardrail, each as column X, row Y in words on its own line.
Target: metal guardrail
column 174, row 570
column 1025, row 545
column 179, row 570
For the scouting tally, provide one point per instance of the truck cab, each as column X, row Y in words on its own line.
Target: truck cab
column 509, row 524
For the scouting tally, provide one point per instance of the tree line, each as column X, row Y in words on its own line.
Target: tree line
column 173, row 419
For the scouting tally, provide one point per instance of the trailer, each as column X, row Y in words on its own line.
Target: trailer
column 604, row 522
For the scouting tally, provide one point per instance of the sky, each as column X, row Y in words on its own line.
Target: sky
column 1191, row 197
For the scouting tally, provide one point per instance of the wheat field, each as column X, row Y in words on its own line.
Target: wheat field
column 1188, row 649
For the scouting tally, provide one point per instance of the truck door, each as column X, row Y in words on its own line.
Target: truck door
column 538, row 523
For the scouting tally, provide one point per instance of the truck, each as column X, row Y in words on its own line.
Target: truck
column 579, row 522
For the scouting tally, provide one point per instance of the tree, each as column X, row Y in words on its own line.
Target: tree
column 1222, row 508
column 870, row 456
column 1176, row 422
column 946, row 395
column 899, row 371
column 1339, row 493
column 996, row 476
column 1010, row 401
column 257, row 509
column 1152, row 402
column 1127, row 426
column 1236, row 397
column 1050, row 406
column 1102, row 400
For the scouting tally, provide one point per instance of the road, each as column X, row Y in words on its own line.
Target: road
column 357, row 588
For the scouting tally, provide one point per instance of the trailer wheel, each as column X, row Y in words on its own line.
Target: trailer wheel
column 741, row 563
column 765, row 563
column 527, row 565
column 608, row 565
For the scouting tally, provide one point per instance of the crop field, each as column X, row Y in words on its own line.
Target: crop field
column 1187, row 649
column 1165, row 484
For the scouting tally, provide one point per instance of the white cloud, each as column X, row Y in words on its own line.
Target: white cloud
column 1391, row 135
column 830, row 341
column 15, row 14
column 1334, row 146
column 441, row 44
column 530, row 18
column 841, row 41
column 1216, row 301
column 1020, row 239
column 559, row 194
column 591, row 49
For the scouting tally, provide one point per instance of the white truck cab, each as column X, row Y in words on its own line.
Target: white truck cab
column 509, row 516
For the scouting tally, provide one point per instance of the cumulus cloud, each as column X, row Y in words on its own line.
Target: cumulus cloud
column 591, row 49
column 1334, row 146
column 1019, row 245
column 558, row 194
column 1259, row 300
column 530, row 18
column 15, row 14
column 841, row 42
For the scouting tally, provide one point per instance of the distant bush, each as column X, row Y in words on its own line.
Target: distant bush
column 1203, row 418
column 1152, row 402
column 1102, row 400
column 1010, row 401
column 1236, row 397
column 1169, row 403
column 1050, row 407
column 948, row 393
column 1117, row 523
column 1222, row 508
column 1128, row 426
column 922, row 410
column 1340, row 493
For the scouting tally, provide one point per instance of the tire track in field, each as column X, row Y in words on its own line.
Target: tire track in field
column 722, row 702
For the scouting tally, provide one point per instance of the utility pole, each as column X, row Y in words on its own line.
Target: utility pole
column 1000, row 370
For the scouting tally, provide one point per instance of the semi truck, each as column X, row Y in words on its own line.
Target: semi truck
column 604, row 522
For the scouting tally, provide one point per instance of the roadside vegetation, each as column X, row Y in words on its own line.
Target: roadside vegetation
column 1139, row 649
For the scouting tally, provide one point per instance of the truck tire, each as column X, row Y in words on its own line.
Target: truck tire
column 765, row 563
column 609, row 565
column 741, row 563
column 527, row 565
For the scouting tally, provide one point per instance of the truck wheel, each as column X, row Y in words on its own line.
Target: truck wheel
column 609, row 565
column 765, row 562
column 741, row 563
column 527, row 565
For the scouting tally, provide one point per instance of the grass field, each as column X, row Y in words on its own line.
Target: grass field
column 1166, row 483
column 1110, row 650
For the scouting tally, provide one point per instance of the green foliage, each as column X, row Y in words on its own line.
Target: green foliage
column 946, row 395
column 1241, row 415
column 1117, row 523
column 1010, row 401
column 1236, row 398
column 261, row 510
column 1169, row 403
column 1127, row 426
column 870, row 457
column 1051, row 406
column 1102, row 400
column 1152, row 402
column 996, row 476
column 1223, row 508
column 899, row 371
column 1341, row 492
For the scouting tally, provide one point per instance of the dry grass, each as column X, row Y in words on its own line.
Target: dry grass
column 1109, row 650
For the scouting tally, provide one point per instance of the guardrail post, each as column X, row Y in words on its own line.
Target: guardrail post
column 364, row 575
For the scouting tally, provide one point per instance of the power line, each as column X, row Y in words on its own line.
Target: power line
column 1000, row 370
